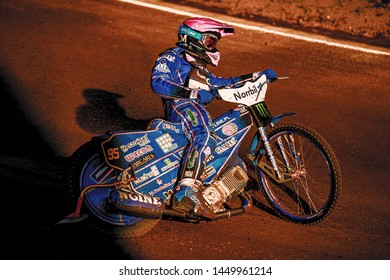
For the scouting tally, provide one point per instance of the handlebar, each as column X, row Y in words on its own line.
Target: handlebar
column 278, row 78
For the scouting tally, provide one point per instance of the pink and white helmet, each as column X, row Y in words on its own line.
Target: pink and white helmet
column 199, row 36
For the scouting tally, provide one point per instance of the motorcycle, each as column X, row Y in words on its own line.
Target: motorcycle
column 123, row 181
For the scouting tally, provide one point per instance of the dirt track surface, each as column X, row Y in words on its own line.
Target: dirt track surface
column 73, row 70
column 363, row 20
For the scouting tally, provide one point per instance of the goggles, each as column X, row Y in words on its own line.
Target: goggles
column 208, row 40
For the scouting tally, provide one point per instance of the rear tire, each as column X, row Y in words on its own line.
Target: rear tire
column 84, row 160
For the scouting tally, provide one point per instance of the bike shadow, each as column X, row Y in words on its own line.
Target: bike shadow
column 103, row 112
column 258, row 199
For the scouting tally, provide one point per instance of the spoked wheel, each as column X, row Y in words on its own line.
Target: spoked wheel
column 311, row 177
column 87, row 167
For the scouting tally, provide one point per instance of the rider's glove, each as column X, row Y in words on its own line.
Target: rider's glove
column 269, row 73
column 202, row 96
column 205, row 96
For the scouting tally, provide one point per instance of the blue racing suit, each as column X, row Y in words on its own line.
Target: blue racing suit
column 172, row 77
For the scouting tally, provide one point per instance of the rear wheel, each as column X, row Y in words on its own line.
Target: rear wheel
column 312, row 177
column 87, row 167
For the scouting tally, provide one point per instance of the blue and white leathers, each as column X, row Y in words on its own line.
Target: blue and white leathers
column 171, row 77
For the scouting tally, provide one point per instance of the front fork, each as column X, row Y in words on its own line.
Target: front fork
column 270, row 154
column 272, row 170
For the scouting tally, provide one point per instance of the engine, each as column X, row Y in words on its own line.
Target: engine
column 230, row 184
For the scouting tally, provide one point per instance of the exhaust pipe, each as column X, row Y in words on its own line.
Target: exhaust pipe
column 149, row 207
column 135, row 204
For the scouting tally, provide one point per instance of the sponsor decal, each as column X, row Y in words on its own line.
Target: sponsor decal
column 230, row 129
column 170, row 127
column 161, row 76
column 210, row 170
column 166, row 144
column 210, row 158
column 146, row 176
column 263, row 111
column 194, row 155
column 163, row 187
column 221, row 121
column 188, row 31
column 169, row 57
column 210, row 122
column 138, row 197
column 241, row 108
column 101, row 172
column 138, row 153
column 143, row 160
column 162, row 67
column 192, row 116
column 226, row 145
column 251, row 91
column 207, row 152
column 155, row 170
column 169, row 164
column 142, row 141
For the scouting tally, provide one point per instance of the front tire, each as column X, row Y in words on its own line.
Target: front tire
column 304, row 154
column 87, row 166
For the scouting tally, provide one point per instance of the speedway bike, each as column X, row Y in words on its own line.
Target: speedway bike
column 122, row 181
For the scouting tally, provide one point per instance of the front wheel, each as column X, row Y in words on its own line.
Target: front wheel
column 311, row 176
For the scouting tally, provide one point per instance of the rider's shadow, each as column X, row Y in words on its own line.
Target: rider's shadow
column 102, row 112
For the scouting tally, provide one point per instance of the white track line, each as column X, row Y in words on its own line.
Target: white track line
column 256, row 28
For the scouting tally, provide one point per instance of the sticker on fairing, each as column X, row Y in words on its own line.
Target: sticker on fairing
column 143, row 160
column 230, row 129
column 166, row 143
column 101, row 173
column 226, row 145
column 138, row 153
column 141, row 141
column 248, row 94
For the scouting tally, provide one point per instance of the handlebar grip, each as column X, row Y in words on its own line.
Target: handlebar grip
column 271, row 80
column 275, row 79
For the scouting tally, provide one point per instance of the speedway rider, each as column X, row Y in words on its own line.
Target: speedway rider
column 184, row 101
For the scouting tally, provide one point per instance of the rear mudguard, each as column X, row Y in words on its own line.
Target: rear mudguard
column 256, row 138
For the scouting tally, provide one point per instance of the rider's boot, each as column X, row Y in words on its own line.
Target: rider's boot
column 189, row 198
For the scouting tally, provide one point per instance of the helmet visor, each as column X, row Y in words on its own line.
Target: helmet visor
column 209, row 41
